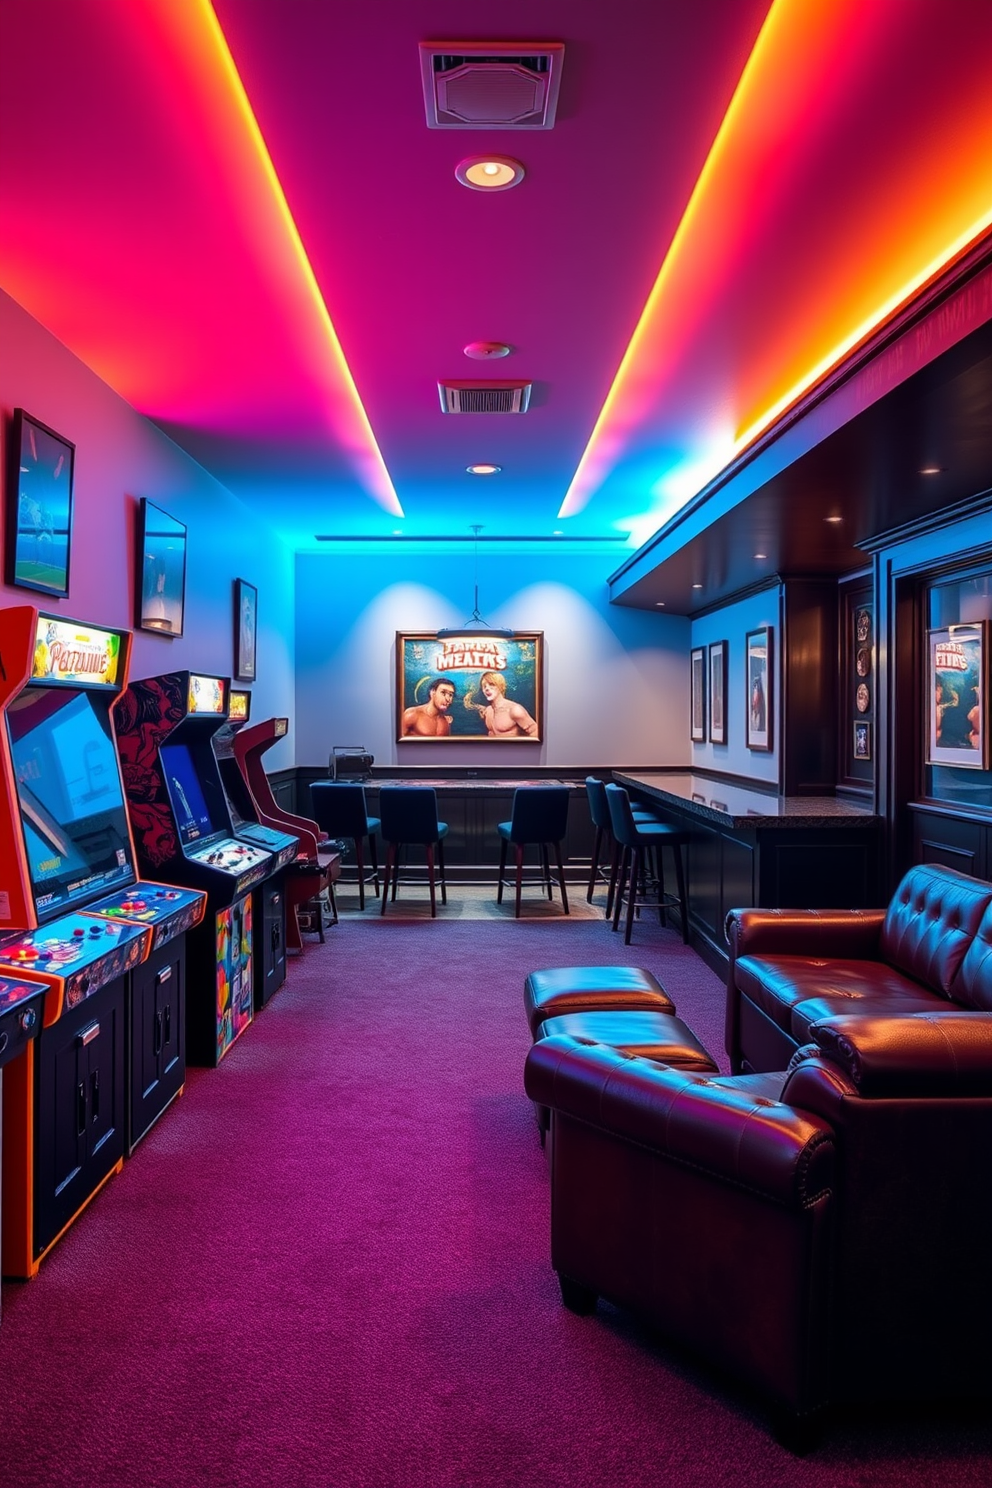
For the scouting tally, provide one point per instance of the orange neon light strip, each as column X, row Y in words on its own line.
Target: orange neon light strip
column 581, row 488
column 811, row 70
column 375, row 467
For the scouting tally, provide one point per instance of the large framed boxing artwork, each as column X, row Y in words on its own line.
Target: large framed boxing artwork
column 39, row 507
column 470, row 687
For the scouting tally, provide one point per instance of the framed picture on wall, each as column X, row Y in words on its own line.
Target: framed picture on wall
column 160, row 575
column 39, row 507
column 718, row 692
column 469, row 687
column 697, row 695
column 862, row 739
column 957, row 687
column 759, row 688
column 245, row 630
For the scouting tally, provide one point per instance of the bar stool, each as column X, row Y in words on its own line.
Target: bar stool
column 409, row 815
column 341, row 811
column 599, row 811
column 636, row 840
column 540, row 816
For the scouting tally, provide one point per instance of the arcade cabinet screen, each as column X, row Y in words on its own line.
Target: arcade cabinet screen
column 188, row 805
column 70, row 795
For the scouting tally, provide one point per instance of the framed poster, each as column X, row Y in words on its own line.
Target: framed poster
column 697, row 696
column 245, row 630
column 957, row 732
column 862, row 739
column 759, row 688
column 718, row 692
column 469, row 687
column 160, row 589
column 39, row 507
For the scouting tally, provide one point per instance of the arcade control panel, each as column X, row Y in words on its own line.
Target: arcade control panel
column 169, row 910
column 243, row 862
column 282, row 845
column 76, row 955
column 20, row 1015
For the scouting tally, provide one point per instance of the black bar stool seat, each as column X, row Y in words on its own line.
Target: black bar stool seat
column 599, row 811
column 340, row 810
column 409, row 815
column 539, row 816
column 637, row 839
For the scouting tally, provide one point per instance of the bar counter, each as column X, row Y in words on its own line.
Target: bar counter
column 752, row 848
column 729, row 805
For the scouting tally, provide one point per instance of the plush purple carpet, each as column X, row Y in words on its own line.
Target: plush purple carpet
column 328, row 1267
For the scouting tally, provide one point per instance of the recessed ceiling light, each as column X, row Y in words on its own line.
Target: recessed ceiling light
column 761, row 555
column 659, row 604
column 833, row 519
column 486, row 351
column 483, row 469
column 697, row 586
column 932, row 470
column 489, row 172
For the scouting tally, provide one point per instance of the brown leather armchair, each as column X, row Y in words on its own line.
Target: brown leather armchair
column 821, row 1233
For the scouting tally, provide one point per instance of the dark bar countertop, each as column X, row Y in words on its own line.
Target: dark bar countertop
column 727, row 805
column 470, row 783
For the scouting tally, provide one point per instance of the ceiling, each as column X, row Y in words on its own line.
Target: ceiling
column 238, row 216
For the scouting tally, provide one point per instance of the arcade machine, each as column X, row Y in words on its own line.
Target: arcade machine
column 182, row 830
column 269, row 911
column 20, row 1021
column 316, row 867
column 107, row 949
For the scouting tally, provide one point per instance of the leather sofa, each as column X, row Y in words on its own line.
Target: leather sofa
column 821, row 1233
column 929, row 951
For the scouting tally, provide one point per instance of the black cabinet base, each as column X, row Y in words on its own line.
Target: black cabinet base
column 156, row 1037
column 79, row 1065
column 269, row 940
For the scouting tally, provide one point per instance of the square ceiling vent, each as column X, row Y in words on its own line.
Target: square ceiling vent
column 491, row 84
column 484, row 397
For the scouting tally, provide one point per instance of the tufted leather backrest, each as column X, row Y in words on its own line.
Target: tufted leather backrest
column 972, row 986
column 931, row 923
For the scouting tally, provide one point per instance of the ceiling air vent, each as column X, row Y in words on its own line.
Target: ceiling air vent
column 484, row 397
column 491, row 84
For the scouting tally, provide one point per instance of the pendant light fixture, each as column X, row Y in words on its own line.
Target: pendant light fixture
column 475, row 625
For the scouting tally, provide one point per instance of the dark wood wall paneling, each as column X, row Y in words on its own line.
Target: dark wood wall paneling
column 809, row 687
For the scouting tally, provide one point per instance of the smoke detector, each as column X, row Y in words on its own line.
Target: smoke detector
column 491, row 84
column 486, row 351
column 484, row 397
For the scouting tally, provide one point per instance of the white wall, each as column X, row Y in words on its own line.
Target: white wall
column 120, row 457
column 732, row 624
column 616, row 679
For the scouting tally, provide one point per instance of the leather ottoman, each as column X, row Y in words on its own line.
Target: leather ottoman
column 576, row 989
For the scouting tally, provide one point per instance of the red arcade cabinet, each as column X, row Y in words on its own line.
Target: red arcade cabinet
column 315, row 867
column 183, row 831
column 269, row 971
column 107, row 949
